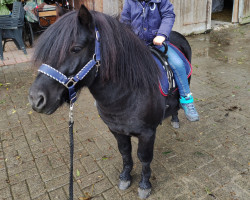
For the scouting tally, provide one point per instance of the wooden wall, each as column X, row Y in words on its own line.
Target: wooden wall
column 244, row 11
column 112, row 7
column 91, row 4
column 192, row 16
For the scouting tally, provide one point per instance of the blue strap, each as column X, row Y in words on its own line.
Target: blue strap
column 72, row 94
column 84, row 71
column 53, row 73
column 97, row 46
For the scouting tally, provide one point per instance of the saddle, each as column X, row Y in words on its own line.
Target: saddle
column 166, row 81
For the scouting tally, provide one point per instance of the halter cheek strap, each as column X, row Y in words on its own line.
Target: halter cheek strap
column 70, row 82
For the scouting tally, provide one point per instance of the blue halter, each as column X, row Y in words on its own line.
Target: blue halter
column 72, row 81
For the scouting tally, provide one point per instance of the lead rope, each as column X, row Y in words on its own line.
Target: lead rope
column 71, row 139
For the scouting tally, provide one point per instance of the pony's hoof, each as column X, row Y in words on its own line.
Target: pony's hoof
column 175, row 124
column 123, row 185
column 144, row 193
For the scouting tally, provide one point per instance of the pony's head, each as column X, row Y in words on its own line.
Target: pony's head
column 67, row 46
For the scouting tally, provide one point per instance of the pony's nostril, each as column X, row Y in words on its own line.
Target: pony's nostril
column 40, row 102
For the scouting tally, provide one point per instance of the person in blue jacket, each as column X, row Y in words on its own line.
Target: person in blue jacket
column 152, row 21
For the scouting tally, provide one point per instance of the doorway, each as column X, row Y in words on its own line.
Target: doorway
column 222, row 10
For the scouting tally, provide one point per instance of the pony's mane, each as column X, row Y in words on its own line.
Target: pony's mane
column 125, row 59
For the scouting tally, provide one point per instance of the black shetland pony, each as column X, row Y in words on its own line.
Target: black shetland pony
column 125, row 88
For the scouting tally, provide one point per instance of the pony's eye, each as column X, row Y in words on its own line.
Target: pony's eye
column 75, row 49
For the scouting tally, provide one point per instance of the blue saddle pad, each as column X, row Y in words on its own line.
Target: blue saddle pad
column 163, row 80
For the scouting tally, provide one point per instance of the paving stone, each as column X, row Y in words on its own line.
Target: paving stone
column 212, row 168
column 93, row 150
column 182, row 197
column 223, row 176
column 112, row 173
column 43, row 164
column 98, row 187
column 24, row 166
column 44, row 151
column 98, row 197
column 112, row 194
column 36, row 187
column 205, row 181
column 108, row 160
column 91, row 179
column 58, row 194
column 173, row 162
column 231, row 191
column 24, row 175
column 25, row 154
column 42, row 197
column 5, row 193
column 20, row 190
column 3, row 178
column 79, row 171
column 242, row 181
column 130, row 196
column 195, row 189
column 50, row 174
column 56, row 160
column 90, row 164
column 57, row 182
column 78, row 153
column 78, row 194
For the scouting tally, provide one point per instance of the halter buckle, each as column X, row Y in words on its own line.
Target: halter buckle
column 71, row 119
column 70, row 83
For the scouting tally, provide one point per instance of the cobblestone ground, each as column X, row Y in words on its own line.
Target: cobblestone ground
column 206, row 160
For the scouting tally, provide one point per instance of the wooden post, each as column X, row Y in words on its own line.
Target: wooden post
column 209, row 14
column 235, row 16
column 98, row 5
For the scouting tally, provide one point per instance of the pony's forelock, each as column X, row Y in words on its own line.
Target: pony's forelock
column 55, row 42
column 125, row 59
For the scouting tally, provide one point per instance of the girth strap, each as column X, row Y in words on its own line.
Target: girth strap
column 162, row 57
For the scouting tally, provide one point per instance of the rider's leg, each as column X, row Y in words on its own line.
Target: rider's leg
column 177, row 64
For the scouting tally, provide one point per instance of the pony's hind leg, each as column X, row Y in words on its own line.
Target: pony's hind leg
column 175, row 121
column 125, row 148
column 145, row 155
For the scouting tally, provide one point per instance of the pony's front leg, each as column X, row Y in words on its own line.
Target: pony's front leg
column 125, row 148
column 145, row 155
column 175, row 120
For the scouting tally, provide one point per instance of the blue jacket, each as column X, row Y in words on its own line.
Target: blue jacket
column 154, row 17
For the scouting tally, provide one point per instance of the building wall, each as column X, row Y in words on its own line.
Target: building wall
column 111, row 7
column 244, row 11
column 192, row 16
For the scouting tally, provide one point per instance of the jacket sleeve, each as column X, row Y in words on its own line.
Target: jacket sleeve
column 168, row 18
column 126, row 13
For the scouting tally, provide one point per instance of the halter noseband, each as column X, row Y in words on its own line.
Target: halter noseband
column 72, row 81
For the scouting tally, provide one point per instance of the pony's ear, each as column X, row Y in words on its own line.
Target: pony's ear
column 84, row 16
column 59, row 11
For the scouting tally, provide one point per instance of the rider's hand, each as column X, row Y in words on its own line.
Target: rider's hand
column 158, row 40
